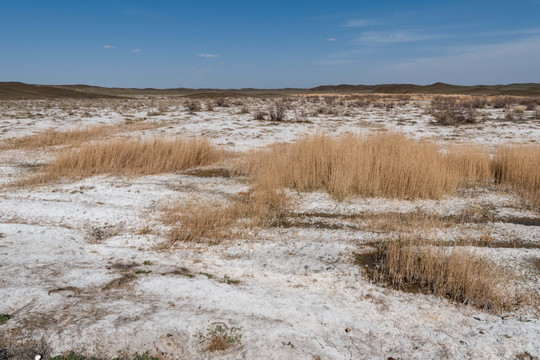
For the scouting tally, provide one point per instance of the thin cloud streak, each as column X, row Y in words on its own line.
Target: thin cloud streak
column 400, row 36
column 359, row 23
column 208, row 56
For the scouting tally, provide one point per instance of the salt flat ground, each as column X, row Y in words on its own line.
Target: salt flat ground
column 84, row 264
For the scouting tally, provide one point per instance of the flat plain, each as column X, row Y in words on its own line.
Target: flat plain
column 306, row 226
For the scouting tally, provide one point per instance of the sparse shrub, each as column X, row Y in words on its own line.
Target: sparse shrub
column 259, row 115
column 277, row 111
column 301, row 116
column 244, row 109
column 193, row 105
column 478, row 102
column 4, row 318
column 448, row 111
column 221, row 338
column 515, row 115
column 100, row 233
column 500, row 102
column 222, row 102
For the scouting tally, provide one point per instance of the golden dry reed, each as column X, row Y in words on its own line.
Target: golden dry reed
column 72, row 137
column 130, row 157
column 519, row 167
column 386, row 165
column 453, row 272
column 471, row 162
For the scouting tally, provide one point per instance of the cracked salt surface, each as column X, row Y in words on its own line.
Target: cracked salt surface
column 77, row 271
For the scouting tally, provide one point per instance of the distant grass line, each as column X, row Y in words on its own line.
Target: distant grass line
column 71, row 137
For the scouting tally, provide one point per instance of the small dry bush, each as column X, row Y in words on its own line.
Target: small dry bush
column 193, row 105
column 277, row 111
column 519, row 167
column 451, row 111
column 456, row 273
column 387, row 165
column 477, row 102
column 259, row 115
column 222, row 102
column 499, row 102
column 72, row 137
column 130, row 157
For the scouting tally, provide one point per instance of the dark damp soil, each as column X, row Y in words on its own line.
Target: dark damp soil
column 209, row 173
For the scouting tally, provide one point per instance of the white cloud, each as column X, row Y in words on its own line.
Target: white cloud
column 208, row 56
column 109, row 47
column 136, row 50
column 359, row 23
column 331, row 39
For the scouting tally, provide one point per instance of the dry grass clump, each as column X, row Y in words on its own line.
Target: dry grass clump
column 196, row 222
column 71, row 137
column 456, row 273
column 212, row 223
column 519, row 167
column 130, row 157
column 387, row 165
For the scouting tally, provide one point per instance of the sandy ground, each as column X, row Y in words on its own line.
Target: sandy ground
column 79, row 269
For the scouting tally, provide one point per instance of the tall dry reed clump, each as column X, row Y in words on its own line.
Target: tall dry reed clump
column 131, row 157
column 456, row 273
column 519, row 167
column 471, row 162
column 387, row 165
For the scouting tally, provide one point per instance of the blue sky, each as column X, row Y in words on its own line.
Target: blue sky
column 268, row 44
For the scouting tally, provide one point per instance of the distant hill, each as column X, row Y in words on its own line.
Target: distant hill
column 527, row 89
column 17, row 90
